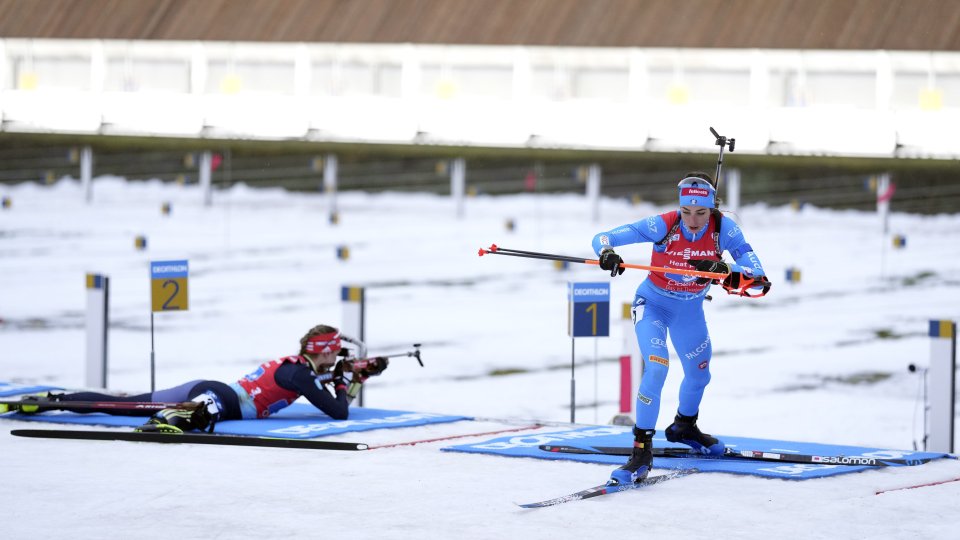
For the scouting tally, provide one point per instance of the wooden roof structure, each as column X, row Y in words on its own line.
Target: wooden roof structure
column 918, row 25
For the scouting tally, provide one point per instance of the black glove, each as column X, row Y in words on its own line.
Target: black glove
column 373, row 367
column 733, row 280
column 736, row 280
column 377, row 366
column 705, row 265
column 611, row 261
column 339, row 383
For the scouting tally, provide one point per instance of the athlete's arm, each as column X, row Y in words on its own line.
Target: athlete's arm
column 732, row 241
column 651, row 229
column 300, row 378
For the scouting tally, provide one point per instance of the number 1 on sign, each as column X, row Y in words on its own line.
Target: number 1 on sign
column 592, row 309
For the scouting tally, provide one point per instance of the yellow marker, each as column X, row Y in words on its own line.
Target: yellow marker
column 27, row 80
column 942, row 329
column 351, row 294
column 678, row 94
column 168, row 285
column 230, row 84
column 931, row 99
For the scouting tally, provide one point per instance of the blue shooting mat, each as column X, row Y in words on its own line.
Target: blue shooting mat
column 528, row 446
column 298, row 421
column 11, row 389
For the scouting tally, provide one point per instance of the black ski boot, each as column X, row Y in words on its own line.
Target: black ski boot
column 25, row 402
column 177, row 421
column 641, row 460
column 684, row 430
column 43, row 396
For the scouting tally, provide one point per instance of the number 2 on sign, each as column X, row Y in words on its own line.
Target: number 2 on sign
column 592, row 309
column 176, row 290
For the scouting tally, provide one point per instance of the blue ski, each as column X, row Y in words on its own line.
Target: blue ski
column 606, row 488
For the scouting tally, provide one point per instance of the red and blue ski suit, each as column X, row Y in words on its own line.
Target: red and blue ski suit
column 672, row 304
column 276, row 384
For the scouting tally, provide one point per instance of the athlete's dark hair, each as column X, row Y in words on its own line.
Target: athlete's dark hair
column 699, row 174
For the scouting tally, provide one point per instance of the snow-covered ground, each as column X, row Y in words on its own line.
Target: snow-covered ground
column 822, row 360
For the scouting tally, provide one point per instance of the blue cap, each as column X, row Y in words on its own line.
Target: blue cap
column 696, row 192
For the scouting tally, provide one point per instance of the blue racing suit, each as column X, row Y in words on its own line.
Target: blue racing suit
column 659, row 311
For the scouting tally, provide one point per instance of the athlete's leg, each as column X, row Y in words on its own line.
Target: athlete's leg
column 97, row 396
column 226, row 404
column 176, row 394
column 172, row 395
column 650, row 325
column 214, row 399
column 691, row 340
column 651, row 330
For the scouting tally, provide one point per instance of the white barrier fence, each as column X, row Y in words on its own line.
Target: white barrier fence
column 853, row 103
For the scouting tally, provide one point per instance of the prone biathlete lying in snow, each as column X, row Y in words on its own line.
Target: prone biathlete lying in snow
column 270, row 388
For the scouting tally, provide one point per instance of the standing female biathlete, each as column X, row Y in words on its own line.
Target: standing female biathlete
column 694, row 236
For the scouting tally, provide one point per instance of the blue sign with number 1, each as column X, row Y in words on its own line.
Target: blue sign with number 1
column 589, row 314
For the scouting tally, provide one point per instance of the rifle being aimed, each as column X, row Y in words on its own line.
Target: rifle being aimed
column 360, row 369
column 357, row 364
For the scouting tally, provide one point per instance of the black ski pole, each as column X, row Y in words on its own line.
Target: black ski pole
column 722, row 142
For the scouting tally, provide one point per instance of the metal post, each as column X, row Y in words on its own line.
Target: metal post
column 330, row 171
column 98, row 320
column 942, row 385
column 593, row 190
column 733, row 190
column 153, row 358
column 206, row 173
column 884, row 193
column 354, row 314
column 86, row 172
column 596, row 380
column 458, row 183
column 573, row 382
